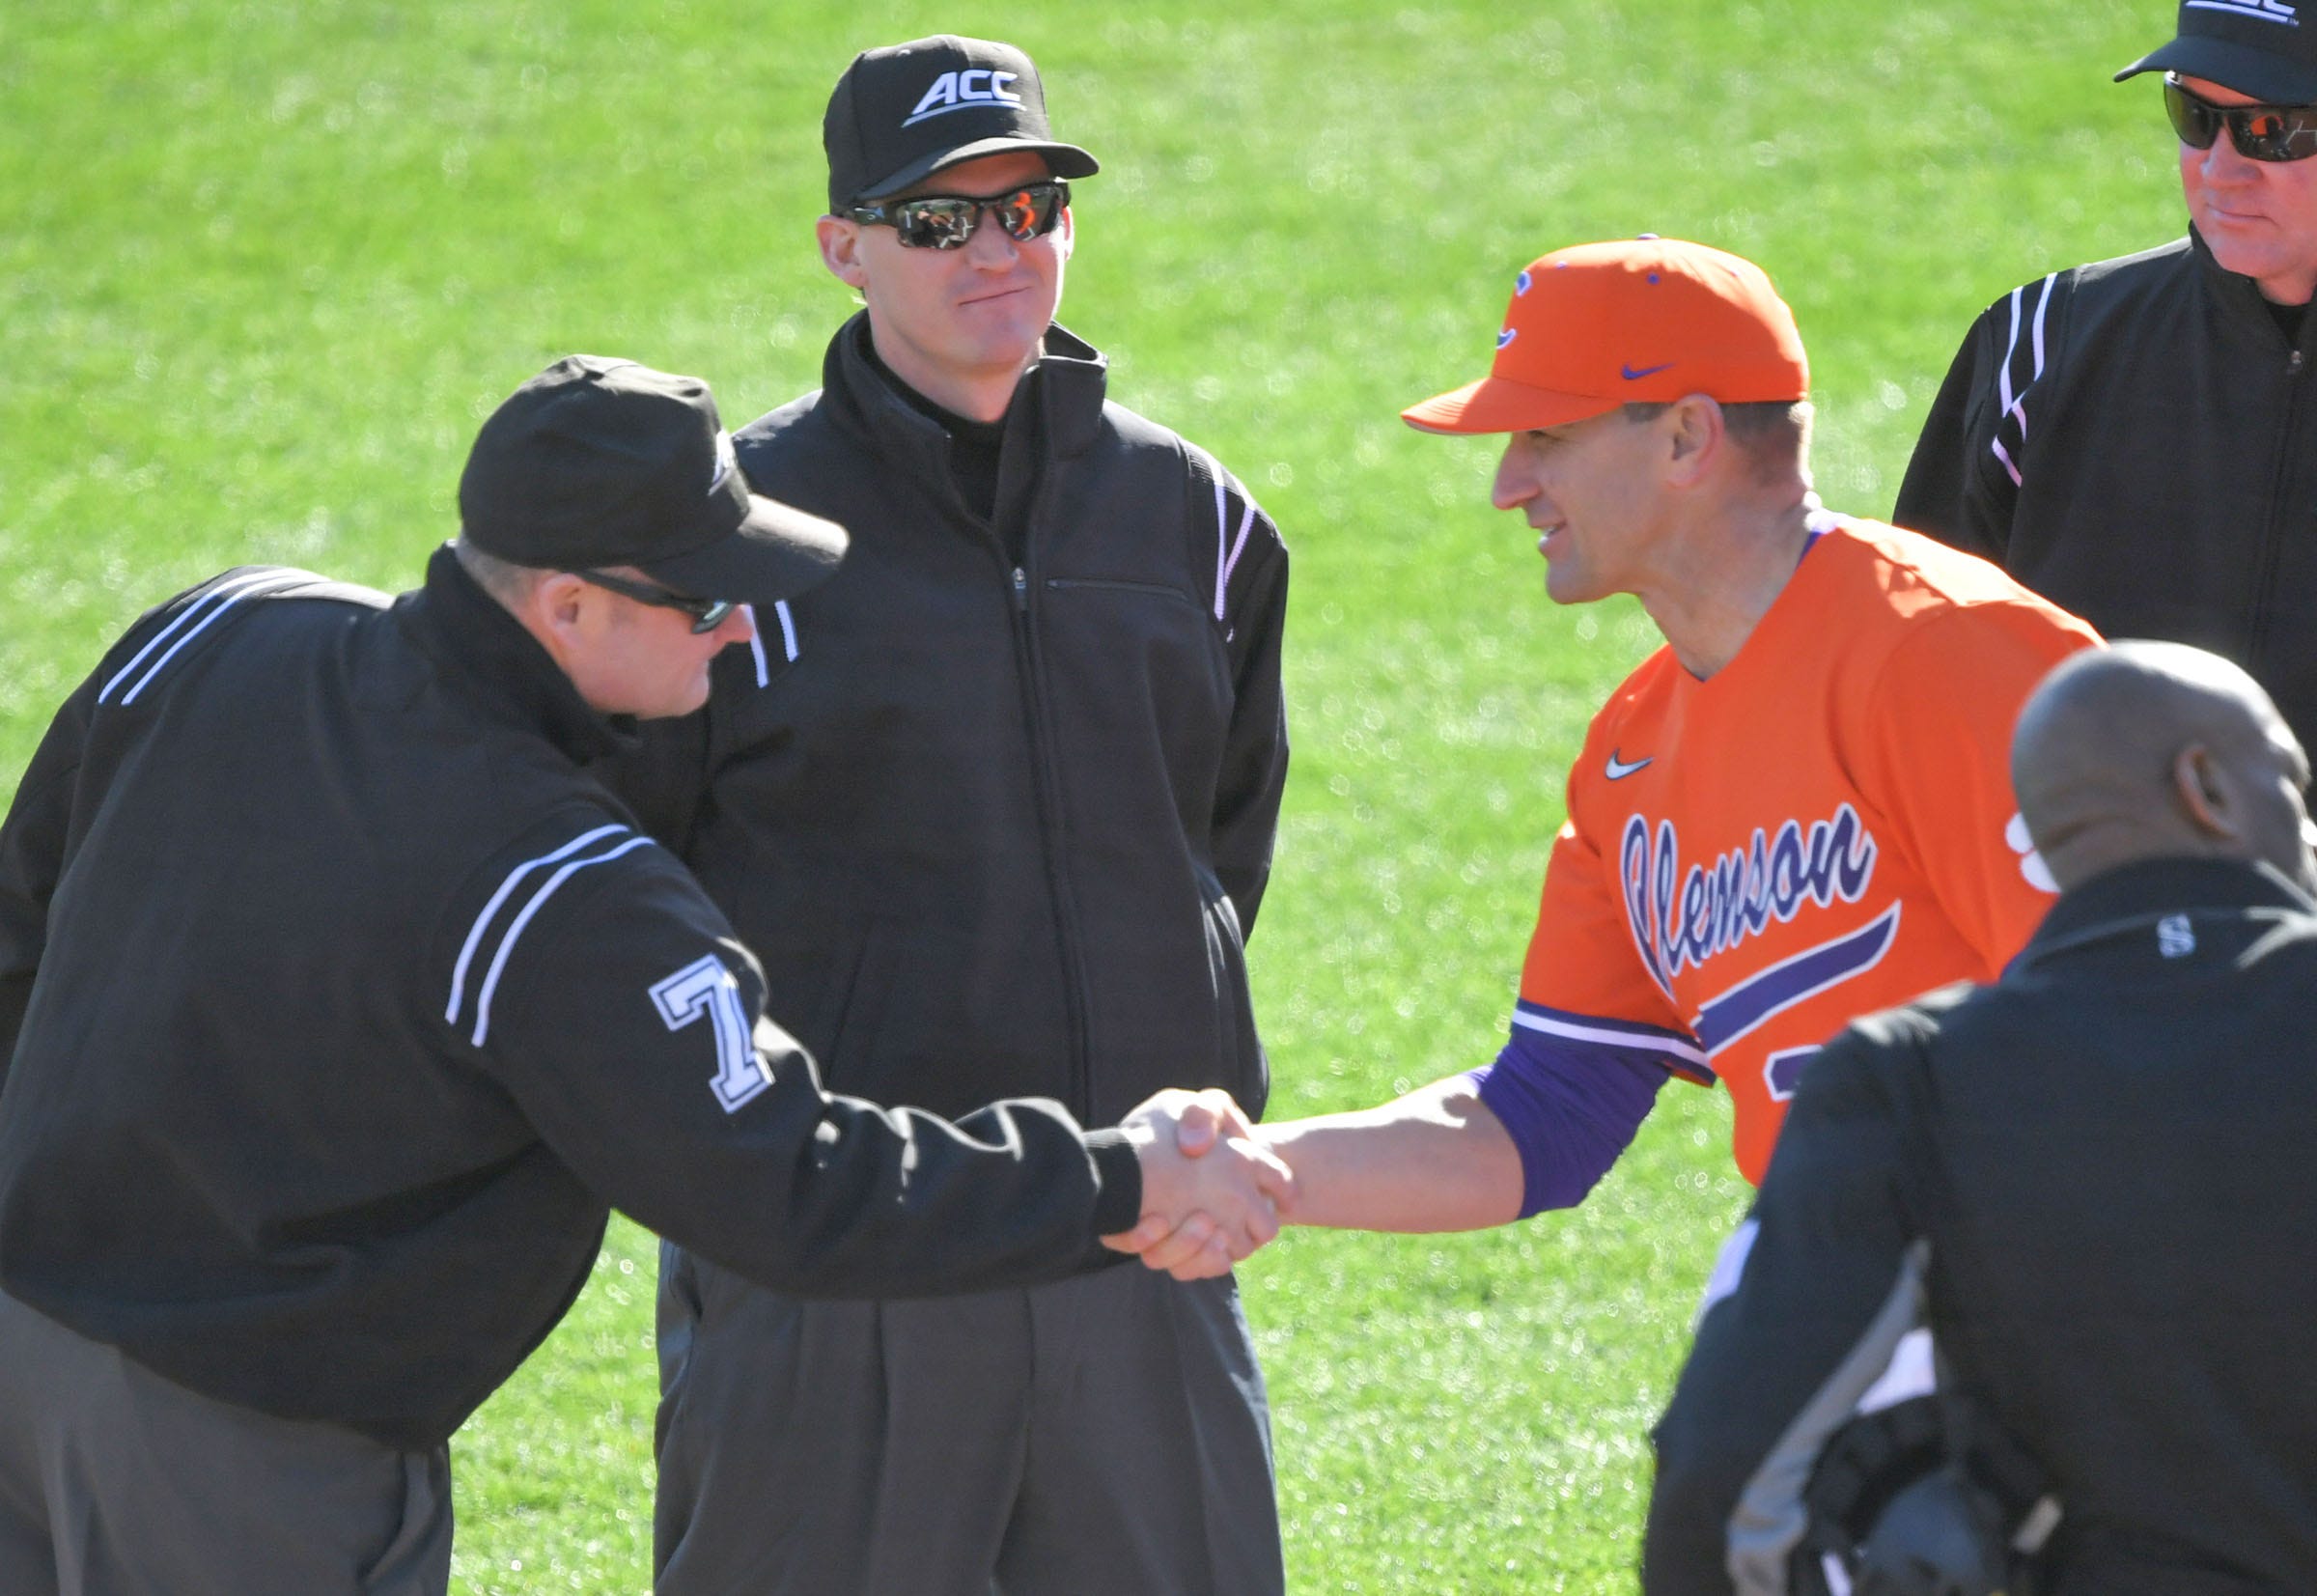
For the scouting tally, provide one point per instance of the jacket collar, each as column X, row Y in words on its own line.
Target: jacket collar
column 488, row 658
column 2154, row 888
column 2240, row 295
column 1071, row 377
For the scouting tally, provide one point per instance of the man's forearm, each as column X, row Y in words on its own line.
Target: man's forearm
column 1434, row 1159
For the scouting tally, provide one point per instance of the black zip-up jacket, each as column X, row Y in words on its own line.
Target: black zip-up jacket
column 2094, row 1182
column 995, row 803
column 2135, row 441
column 338, row 1003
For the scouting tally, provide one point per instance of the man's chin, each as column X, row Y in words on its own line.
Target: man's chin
column 674, row 708
column 1568, row 588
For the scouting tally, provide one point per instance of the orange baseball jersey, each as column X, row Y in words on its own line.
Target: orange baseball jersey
column 1822, row 828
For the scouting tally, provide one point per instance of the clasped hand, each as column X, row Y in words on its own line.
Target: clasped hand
column 1210, row 1192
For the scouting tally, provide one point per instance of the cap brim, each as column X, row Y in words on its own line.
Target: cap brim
column 1494, row 404
column 777, row 553
column 2265, row 76
column 1064, row 160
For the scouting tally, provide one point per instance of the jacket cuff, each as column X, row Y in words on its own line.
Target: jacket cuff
column 1118, row 1204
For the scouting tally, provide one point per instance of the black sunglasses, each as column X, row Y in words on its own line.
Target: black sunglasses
column 946, row 221
column 707, row 614
column 2260, row 133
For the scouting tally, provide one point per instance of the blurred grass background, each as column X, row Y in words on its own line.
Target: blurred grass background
column 264, row 265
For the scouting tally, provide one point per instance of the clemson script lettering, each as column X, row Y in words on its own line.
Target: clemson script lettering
column 1680, row 919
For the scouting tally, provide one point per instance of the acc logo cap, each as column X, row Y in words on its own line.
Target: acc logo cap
column 1644, row 320
column 2257, row 48
column 904, row 112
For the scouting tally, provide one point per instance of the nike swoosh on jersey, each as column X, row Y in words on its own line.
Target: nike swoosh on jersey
column 1633, row 375
column 1619, row 770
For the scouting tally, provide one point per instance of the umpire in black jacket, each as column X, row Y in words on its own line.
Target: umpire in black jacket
column 2094, row 1182
column 338, row 1000
column 995, row 806
column 2132, row 437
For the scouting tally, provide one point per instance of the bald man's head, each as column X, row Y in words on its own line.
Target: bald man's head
column 2153, row 750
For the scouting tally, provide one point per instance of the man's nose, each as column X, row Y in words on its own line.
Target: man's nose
column 2224, row 162
column 1516, row 482
column 990, row 245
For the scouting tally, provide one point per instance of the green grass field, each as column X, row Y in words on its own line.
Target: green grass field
column 264, row 265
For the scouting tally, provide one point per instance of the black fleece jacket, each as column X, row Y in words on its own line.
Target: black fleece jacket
column 340, row 1002
column 995, row 804
column 2135, row 441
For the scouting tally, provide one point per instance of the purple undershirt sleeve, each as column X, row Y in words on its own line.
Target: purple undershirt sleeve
column 1570, row 1110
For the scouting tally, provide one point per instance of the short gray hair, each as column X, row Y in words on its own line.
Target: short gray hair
column 1773, row 434
column 503, row 579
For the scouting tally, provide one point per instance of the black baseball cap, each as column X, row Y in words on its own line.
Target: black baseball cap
column 901, row 113
column 599, row 461
column 2264, row 48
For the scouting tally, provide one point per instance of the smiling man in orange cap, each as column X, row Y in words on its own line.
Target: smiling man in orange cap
column 1794, row 812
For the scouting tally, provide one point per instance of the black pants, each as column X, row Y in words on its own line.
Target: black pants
column 114, row 1482
column 1107, row 1435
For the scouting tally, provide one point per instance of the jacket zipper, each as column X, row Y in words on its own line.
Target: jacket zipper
column 1047, row 784
column 2274, row 534
column 1049, row 787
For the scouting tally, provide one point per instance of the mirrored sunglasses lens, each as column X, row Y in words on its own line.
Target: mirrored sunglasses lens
column 2271, row 134
column 2195, row 123
column 712, row 617
column 936, row 223
column 1026, row 213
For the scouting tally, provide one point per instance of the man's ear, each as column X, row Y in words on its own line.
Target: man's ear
column 1695, row 433
column 2206, row 792
column 551, row 610
column 1067, row 234
column 839, row 241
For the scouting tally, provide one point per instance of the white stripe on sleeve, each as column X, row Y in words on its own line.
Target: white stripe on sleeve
column 1656, row 1042
column 216, row 602
column 515, row 927
column 474, row 934
column 756, row 646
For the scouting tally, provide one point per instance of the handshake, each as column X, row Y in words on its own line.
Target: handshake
column 1211, row 1192
column 1215, row 1187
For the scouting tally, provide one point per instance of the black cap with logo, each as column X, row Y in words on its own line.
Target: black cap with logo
column 904, row 112
column 599, row 462
column 2264, row 48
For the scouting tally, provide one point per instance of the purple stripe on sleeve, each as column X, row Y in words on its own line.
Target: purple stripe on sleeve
column 1571, row 1109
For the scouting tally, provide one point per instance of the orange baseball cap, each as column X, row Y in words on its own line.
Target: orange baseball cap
column 1638, row 320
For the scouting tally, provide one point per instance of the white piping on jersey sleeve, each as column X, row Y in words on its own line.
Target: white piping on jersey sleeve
column 756, row 640
column 1646, row 1041
column 498, row 899
column 1228, row 547
column 756, row 647
column 515, row 929
column 2014, row 404
column 216, row 602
